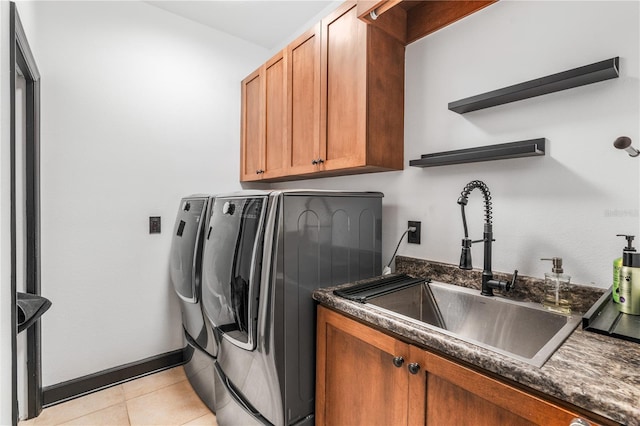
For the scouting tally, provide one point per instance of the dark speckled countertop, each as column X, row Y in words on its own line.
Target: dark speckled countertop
column 597, row 373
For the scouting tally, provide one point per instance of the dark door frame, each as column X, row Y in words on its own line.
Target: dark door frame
column 21, row 60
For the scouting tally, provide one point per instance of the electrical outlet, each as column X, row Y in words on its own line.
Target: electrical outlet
column 414, row 237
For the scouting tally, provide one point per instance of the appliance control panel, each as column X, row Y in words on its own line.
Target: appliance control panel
column 154, row 224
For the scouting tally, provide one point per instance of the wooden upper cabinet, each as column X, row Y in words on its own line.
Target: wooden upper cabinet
column 344, row 82
column 331, row 103
column 362, row 96
column 303, row 108
column 275, row 72
column 263, row 128
column 252, row 128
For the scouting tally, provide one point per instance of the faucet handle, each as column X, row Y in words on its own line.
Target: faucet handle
column 513, row 280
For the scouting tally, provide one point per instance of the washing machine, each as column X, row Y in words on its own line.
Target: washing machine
column 200, row 348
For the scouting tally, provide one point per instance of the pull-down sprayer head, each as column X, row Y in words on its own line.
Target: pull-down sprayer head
column 465, row 256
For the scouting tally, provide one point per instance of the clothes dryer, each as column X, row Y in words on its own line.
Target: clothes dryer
column 265, row 252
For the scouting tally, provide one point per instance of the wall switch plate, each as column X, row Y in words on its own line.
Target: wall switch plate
column 414, row 237
column 154, row 224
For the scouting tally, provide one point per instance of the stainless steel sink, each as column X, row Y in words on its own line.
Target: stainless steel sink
column 524, row 331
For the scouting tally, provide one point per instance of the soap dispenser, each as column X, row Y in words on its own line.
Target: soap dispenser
column 556, row 288
column 629, row 283
column 617, row 265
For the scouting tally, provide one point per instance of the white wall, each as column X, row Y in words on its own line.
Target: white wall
column 571, row 202
column 139, row 108
column 5, row 215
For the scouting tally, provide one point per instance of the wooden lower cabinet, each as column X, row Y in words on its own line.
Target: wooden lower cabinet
column 357, row 382
column 367, row 377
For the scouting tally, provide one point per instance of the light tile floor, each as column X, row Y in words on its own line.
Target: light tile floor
column 164, row 398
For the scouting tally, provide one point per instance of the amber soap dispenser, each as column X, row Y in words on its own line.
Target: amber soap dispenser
column 556, row 288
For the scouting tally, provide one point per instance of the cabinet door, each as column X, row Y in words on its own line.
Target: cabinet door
column 275, row 103
column 344, row 83
column 357, row 382
column 303, row 110
column 252, row 129
column 263, row 131
column 446, row 393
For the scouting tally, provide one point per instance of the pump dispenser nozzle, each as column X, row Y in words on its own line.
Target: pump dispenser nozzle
column 557, row 264
column 629, row 238
column 629, row 255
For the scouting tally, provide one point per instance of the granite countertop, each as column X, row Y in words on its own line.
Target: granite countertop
column 598, row 373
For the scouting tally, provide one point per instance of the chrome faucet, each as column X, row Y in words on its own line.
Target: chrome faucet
column 488, row 283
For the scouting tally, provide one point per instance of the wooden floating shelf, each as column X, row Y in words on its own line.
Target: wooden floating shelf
column 593, row 73
column 528, row 148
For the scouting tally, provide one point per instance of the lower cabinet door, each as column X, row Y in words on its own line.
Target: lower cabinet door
column 447, row 393
column 361, row 374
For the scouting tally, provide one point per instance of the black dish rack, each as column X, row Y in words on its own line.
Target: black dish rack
column 604, row 318
column 378, row 287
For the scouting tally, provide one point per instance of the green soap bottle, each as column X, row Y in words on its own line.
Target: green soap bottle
column 615, row 291
column 617, row 266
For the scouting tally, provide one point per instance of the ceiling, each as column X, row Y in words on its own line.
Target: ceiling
column 263, row 22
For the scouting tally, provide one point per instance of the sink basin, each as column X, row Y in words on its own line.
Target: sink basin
column 523, row 331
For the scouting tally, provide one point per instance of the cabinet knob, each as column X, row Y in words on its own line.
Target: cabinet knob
column 317, row 161
column 414, row 367
column 579, row 422
column 259, row 171
column 398, row 361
